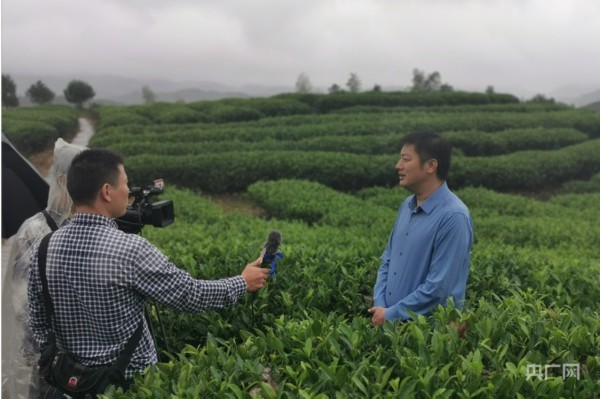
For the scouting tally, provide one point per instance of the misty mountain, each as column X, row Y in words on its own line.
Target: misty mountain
column 185, row 95
column 595, row 106
column 576, row 95
column 589, row 98
column 112, row 89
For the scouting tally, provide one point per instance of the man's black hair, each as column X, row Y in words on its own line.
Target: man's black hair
column 89, row 171
column 430, row 145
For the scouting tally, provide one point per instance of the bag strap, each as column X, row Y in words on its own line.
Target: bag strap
column 42, row 252
column 125, row 356
column 51, row 223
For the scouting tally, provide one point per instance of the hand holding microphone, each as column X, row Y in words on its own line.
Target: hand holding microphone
column 255, row 276
column 257, row 273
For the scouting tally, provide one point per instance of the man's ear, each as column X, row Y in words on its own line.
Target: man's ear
column 105, row 192
column 432, row 166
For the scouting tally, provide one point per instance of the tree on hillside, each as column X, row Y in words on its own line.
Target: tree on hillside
column 39, row 93
column 433, row 82
column 489, row 90
column 303, row 85
column 9, row 92
column 418, row 80
column 446, row 88
column 429, row 83
column 78, row 92
column 353, row 83
column 376, row 88
column 335, row 88
column 540, row 98
column 148, row 95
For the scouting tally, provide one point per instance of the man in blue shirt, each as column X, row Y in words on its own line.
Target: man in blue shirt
column 426, row 260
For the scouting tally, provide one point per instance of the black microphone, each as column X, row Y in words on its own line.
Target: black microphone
column 271, row 247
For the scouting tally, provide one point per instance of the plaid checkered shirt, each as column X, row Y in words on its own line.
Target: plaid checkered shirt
column 99, row 280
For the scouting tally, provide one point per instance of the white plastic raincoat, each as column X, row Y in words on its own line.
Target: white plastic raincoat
column 19, row 351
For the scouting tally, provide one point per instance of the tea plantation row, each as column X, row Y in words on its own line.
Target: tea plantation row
column 231, row 110
column 235, row 170
column 507, row 151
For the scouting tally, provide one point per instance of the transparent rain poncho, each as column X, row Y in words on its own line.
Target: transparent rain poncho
column 19, row 351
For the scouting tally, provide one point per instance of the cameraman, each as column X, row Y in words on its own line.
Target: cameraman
column 100, row 278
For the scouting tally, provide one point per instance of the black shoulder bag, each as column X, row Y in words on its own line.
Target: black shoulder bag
column 60, row 369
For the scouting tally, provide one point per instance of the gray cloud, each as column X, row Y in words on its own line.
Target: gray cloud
column 529, row 45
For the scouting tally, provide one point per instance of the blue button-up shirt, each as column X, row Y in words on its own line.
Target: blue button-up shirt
column 426, row 260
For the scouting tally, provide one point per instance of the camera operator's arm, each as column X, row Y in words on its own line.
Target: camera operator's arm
column 154, row 277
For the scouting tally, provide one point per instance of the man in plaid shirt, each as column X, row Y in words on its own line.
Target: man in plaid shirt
column 100, row 278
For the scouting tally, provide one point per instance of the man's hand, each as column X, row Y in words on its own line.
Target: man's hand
column 255, row 276
column 378, row 313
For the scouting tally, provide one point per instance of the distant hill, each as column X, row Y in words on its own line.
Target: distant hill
column 113, row 89
column 589, row 98
column 185, row 95
column 576, row 95
column 595, row 106
column 121, row 90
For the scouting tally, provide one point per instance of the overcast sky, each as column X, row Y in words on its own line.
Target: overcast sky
column 513, row 45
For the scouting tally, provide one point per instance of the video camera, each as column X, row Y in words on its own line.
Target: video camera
column 141, row 211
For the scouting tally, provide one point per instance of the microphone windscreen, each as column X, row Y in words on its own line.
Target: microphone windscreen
column 273, row 242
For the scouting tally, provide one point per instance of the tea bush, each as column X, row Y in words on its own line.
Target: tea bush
column 332, row 102
column 583, row 186
column 236, row 170
column 110, row 116
column 35, row 129
column 476, row 143
column 29, row 137
column 527, row 170
column 507, row 107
